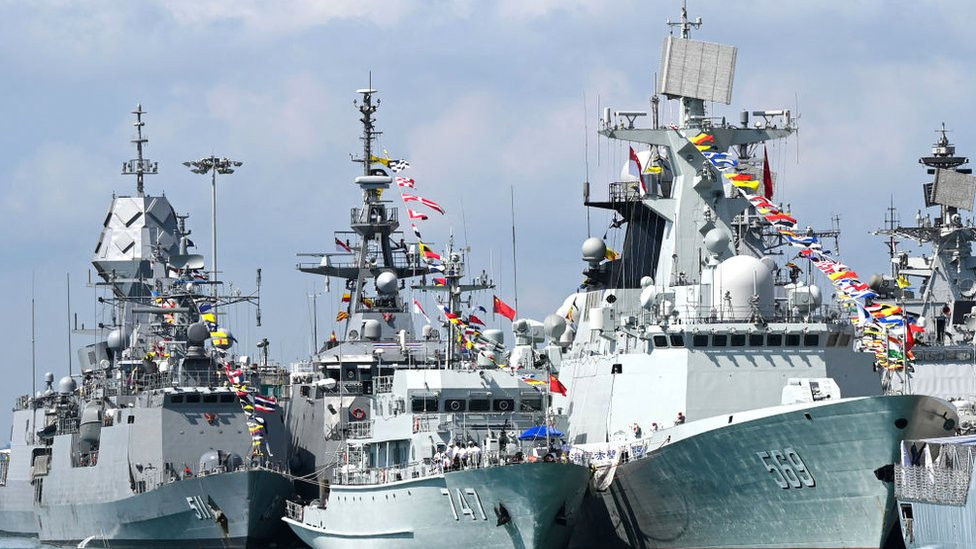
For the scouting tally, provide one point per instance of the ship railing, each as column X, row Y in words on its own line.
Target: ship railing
column 294, row 511
column 363, row 215
column 359, row 429
column 23, row 403
column 67, row 425
column 383, row 384
column 84, row 459
column 936, row 484
column 426, row 468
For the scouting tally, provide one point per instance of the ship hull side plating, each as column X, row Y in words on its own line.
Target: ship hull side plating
column 715, row 489
column 178, row 514
column 542, row 500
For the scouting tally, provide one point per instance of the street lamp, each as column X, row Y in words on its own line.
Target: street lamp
column 213, row 165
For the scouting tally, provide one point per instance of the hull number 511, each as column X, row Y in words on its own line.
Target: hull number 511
column 787, row 468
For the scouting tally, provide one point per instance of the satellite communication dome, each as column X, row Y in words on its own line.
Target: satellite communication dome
column 426, row 330
column 197, row 333
column 66, row 385
column 48, row 377
column 371, row 329
column 117, row 339
column 568, row 336
column 554, row 326
column 736, row 280
column 594, row 250
column 386, row 283
column 769, row 262
column 646, row 281
column 494, row 335
column 648, row 297
column 716, row 241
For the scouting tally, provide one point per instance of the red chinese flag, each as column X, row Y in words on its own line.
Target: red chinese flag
column 555, row 386
column 501, row 308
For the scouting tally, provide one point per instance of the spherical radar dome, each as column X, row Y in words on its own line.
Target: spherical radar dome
column 594, row 249
column 386, row 283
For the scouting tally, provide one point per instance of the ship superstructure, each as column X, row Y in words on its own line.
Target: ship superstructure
column 718, row 399
column 155, row 442
column 420, row 441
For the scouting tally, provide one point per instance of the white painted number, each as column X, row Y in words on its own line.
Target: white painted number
column 787, row 468
column 198, row 506
column 463, row 503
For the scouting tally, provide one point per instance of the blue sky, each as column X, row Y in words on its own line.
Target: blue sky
column 481, row 97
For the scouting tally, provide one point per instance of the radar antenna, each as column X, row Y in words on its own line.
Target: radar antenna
column 685, row 24
column 139, row 166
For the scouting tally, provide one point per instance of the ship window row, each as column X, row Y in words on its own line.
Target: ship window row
column 197, row 398
column 420, row 405
column 834, row 339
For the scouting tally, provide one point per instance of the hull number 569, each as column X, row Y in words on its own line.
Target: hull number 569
column 787, row 468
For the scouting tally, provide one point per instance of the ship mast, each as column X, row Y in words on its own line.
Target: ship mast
column 139, row 166
column 692, row 109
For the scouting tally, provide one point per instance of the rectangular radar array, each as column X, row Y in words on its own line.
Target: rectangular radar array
column 699, row 70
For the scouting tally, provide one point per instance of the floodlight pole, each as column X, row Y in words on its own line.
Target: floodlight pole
column 213, row 165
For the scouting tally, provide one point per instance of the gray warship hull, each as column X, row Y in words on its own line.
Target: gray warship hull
column 178, row 514
column 456, row 509
column 721, row 488
column 16, row 511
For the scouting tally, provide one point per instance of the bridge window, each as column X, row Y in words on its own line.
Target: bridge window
column 738, row 340
column 720, row 340
column 792, row 340
column 677, row 340
column 832, row 339
column 756, row 340
column 479, row 405
column 774, row 340
column 699, row 340
column 811, row 340
column 660, row 341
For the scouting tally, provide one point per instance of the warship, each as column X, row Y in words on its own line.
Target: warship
column 936, row 288
column 937, row 291
column 721, row 404
column 156, row 442
column 422, row 441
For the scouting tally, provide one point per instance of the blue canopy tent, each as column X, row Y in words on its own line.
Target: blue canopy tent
column 540, row 431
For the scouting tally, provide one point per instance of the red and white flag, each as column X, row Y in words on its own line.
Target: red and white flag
column 429, row 203
column 418, row 309
column 635, row 162
column 405, row 182
column 415, row 215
